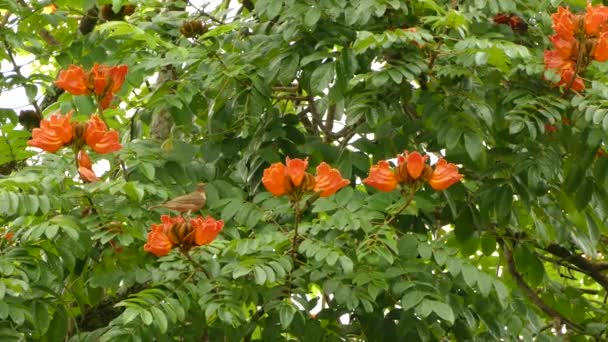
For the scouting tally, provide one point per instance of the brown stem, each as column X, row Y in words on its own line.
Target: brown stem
column 194, row 263
column 294, row 242
column 532, row 295
column 408, row 199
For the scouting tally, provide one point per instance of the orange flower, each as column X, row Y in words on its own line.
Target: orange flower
column 206, row 230
column 85, row 168
column 102, row 80
column 555, row 60
column 444, row 175
column 158, row 243
column 274, row 179
column 52, row 8
column 99, row 138
column 295, row 170
column 567, row 74
column 73, row 80
column 564, row 23
column 414, row 163
column 381, row 177
column 600, row 53
column 54, row 132
column 328, row 180
column 9, row 235
column 595, row 19
column 565, row 47
column 106, row 81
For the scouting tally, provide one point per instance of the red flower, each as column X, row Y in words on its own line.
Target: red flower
column 158, row 243
column 595, row 19
column 550, row 128
column 328, row 180
column 565, row 23
column 206, row 230
column 445, row 175
column 9, row 235
column 381, row 177
column 85, row 168
column 73, row 80
column 54, row 132
column 99, row 138
column 274, row 179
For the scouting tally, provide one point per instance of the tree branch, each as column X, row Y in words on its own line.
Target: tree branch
column 532, row 295
column 585, row 266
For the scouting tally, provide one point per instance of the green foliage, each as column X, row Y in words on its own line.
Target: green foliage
column 515, row 251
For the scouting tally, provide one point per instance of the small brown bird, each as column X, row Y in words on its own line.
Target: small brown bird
column 187, row 203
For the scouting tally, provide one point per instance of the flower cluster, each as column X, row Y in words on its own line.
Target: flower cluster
column 182, row 233
column 59, row 130
column 577, row 40
column 412, row 169
column 291, row 179
column 102, row 81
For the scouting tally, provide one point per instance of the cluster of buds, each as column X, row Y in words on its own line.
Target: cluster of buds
column 193, row 28
column 107, row 13
column 513, row 21
column 59, row 130
column 102, row 81
column 412, row 171
column 182, row 233
column 578, row 40
column 291, row 179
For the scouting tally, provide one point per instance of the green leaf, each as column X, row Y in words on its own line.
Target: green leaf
column 313, row 14
column 346, row 263
column 442, row 310
column 425, row 251
column 473, row 145
column 259, row 275
column 129, row 314
column 408, row 246
column 159, row 319
column 411, row 299
column 321, row 77
column 58, row 327
column 134, row 190
column 41, row 316
column 286, row 313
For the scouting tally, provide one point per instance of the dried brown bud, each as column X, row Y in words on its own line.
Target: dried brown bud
column 402, row 174
column 308, row 184
column 426, row 173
